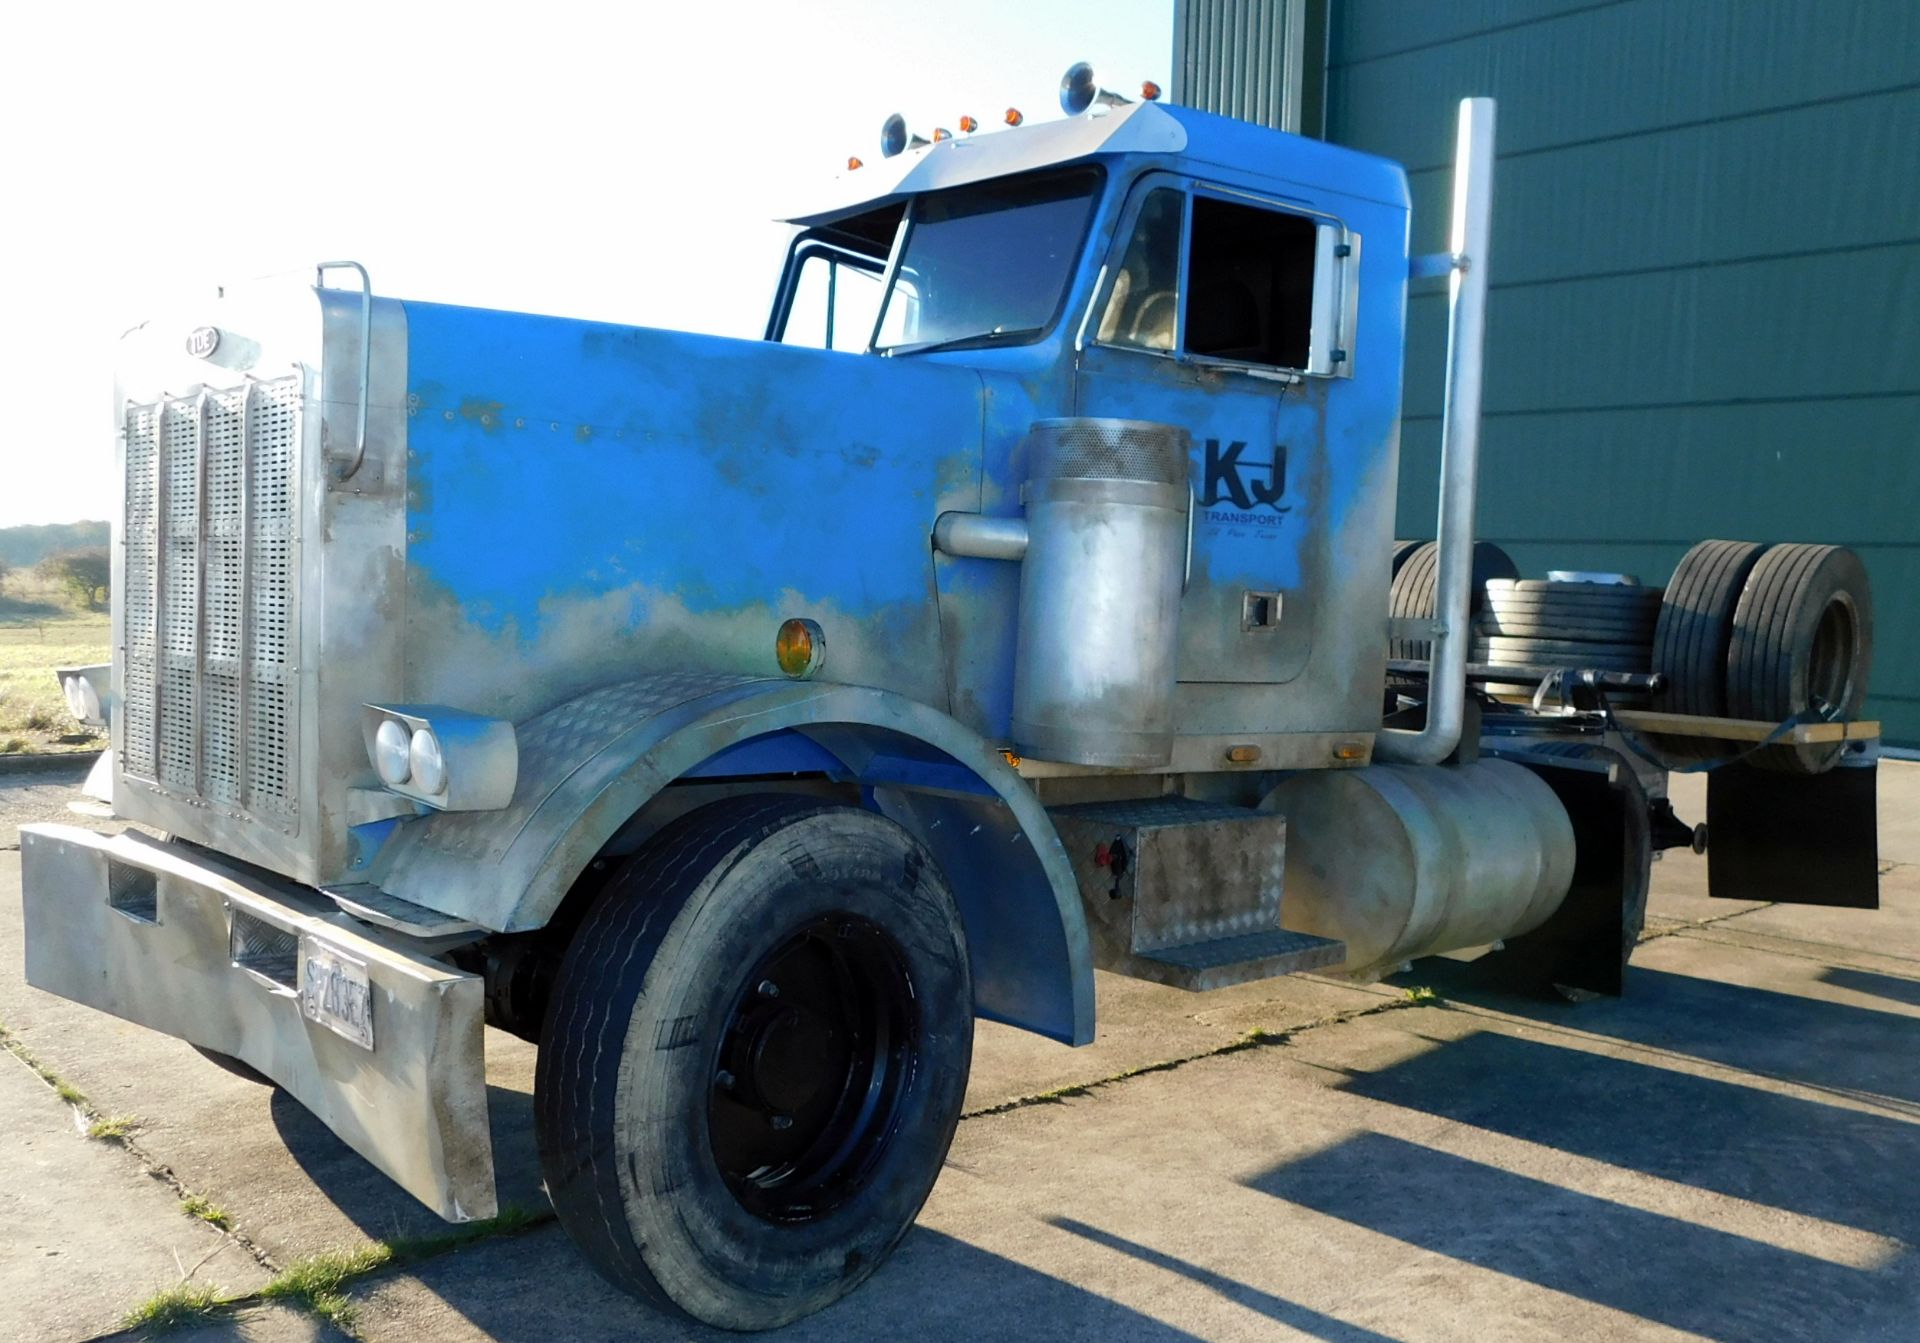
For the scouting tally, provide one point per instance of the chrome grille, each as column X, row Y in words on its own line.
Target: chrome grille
column 207, row 597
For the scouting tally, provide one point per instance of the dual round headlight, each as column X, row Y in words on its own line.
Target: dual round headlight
column 403, row 757
column 83, row 699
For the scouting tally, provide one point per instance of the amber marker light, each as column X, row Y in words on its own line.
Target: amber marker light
column 1013, row 117
column 799, row 648
column 968, row 125
column 1150, row 91
column 941, row 133
column 854, row 163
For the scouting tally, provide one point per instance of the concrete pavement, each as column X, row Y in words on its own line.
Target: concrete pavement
column 1725, row 1152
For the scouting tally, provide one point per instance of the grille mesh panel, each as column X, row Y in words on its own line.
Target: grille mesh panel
column 1096, row 449
column 208, row 596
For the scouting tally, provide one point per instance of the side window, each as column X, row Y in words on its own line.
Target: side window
column 1264, row 286
column 1144, row 300
column 836, row 297
column 1250, row 284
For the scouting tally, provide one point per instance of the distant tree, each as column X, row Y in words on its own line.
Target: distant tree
column 5, row 568
column 85, row 574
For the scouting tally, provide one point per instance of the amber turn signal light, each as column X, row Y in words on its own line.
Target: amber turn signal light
column 799, row 648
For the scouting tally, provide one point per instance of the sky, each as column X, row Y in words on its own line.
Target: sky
column 623, row 162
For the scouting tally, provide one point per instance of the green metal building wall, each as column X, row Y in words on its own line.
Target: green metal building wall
column 1705, row 308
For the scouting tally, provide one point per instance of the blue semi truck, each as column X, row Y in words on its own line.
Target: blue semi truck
column 741, row 719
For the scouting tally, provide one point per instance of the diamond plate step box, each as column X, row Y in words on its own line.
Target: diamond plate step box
column 1186, row 893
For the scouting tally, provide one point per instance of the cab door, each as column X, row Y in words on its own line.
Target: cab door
column 1219, row 313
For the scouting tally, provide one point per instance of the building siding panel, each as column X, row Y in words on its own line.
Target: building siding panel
column 1705, row 318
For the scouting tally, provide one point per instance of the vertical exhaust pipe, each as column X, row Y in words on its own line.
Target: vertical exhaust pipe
column 1466, row 268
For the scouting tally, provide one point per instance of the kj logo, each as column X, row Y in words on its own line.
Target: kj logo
column 1245, row 484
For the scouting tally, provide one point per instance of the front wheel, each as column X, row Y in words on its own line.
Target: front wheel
column 754, row 1059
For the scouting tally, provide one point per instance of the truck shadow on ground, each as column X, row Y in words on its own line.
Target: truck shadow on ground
column 1833, row 1046
column 934, row 1286
column 1677, row 1273
column 379, row 1207
column 1890, row 987
column 1821, row 1156
column 1815, row 1154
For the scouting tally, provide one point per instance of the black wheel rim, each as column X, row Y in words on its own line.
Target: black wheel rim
column 820, row 1046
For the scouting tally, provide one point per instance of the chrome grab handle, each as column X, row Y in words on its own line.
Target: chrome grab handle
column 366, row 352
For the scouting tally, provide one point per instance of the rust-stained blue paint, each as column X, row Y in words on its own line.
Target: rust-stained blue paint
column 693, row 490
column 723, row 471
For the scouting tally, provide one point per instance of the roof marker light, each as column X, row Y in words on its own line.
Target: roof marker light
column 968, row 125
column 1150, row 91
column 1013, row 117
column 941, row 133
column 853, row 163
column 1079, row 91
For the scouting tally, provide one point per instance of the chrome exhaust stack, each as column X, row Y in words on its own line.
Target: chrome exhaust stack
column 1466, row 267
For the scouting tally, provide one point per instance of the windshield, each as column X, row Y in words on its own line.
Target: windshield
column 987, row 263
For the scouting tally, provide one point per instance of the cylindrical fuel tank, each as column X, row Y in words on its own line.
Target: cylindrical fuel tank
column 1107, row 504
column 1400, row 861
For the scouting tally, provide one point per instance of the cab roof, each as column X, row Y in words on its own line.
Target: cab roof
column 1134, row 128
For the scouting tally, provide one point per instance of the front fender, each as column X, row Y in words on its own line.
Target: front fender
column 589, row 765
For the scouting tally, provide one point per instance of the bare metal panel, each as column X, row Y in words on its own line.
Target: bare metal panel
column 208, row 597
column 1241, row 58
column 191, row 948
column 1186, row 893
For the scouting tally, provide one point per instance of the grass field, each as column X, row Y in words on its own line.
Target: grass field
column 38, row 632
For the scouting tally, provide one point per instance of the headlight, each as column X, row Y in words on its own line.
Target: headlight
column 392, row 748
column 429, row 768
column 442, row 757
column 83, row 699
column 88, row 692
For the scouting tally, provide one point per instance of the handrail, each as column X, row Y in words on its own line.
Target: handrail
column 366, row 352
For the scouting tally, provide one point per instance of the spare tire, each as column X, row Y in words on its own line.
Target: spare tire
column 1416, row 584
column 1630, row 657
column 1601, row 612
column 1402, row 551
column 1802, row 643
column 1692, row 638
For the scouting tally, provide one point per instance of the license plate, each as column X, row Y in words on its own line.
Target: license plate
column 334, row 992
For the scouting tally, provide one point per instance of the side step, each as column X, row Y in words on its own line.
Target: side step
column 1237, row 960
column 1186, row 893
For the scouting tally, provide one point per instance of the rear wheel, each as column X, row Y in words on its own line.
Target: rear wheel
column 754, row 1059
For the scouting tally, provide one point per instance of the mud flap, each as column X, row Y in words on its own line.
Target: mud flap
column 1586, row 943
column 1795, row 839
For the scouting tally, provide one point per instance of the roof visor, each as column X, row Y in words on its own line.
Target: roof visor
column 1137, row 128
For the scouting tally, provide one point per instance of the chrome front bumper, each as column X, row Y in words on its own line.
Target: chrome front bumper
column 158, row 934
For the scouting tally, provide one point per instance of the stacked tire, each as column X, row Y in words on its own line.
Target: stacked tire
column 1416, row 584
column 1765, row 633
column 1533, row 622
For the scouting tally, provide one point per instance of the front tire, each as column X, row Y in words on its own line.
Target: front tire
column 754, row 1059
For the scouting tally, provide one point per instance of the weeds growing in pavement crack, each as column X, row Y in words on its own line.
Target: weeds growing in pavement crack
column 317, row 1282
column 1257, row 1038
column 171, row 1307
column 113, row 1128
column 121, row 1130
column 207, row 1211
